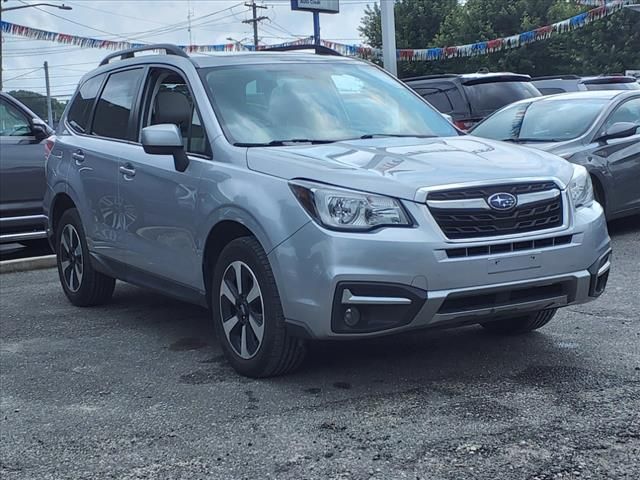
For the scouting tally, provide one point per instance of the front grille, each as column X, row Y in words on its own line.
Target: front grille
column 462, row 223
column 497, row 248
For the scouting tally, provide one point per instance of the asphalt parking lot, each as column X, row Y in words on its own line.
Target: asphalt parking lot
column 139, row 389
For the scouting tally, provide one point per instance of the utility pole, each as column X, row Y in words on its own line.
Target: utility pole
column 255, row 20
column 389, row 36
column 49, row 109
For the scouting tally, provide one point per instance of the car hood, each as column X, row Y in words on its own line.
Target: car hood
column 399, row 167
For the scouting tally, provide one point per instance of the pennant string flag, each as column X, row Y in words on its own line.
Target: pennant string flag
column 603, row 9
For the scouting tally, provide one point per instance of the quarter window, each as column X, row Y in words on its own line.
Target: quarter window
column 80, row 109
column 115, row 104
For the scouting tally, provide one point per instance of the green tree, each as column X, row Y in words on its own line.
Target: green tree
column 38, row 103
column 606, row 46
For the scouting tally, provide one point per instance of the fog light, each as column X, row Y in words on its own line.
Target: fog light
column 351, row 316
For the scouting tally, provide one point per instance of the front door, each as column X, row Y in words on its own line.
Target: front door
column 623, row 158
column 22, row 180
column 161, row 235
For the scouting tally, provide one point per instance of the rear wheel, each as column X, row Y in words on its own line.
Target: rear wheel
column 524, row 324
column 248, row 314
column 82, row 285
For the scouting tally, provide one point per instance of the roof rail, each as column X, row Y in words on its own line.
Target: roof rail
column 128, row 53
column 319, row 49
column 557, row 77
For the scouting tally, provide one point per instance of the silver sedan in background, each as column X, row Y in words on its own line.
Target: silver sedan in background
column 599, row 130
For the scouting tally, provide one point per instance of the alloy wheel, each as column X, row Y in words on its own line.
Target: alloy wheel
column 242, row 309
column 71, row 259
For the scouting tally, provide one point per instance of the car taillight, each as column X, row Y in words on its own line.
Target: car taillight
column 462, row 125
column 48, row 146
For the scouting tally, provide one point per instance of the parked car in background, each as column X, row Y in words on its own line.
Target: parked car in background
column 552, row 85
column 22, row 181
column 468, row 98
column 599, row 130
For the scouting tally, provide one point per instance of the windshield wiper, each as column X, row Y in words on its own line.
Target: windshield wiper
column 282, row 143
column 531, row 140
column 401, row 135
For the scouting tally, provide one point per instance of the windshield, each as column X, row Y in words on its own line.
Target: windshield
column 491, row 96
column 548, row 120
column 321, row 102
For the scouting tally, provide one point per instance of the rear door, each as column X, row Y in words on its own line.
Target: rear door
column 99, row 130
column 623, row 157
column 162, row 201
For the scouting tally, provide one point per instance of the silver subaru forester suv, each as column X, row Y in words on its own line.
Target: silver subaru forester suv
column 309, row 196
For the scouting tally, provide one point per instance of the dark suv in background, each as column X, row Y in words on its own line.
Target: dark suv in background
column 468, row 98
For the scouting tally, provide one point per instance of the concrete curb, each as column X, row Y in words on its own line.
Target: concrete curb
column 26, row 264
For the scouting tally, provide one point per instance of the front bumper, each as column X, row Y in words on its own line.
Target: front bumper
column 315, row 266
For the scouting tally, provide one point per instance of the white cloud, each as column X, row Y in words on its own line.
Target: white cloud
column 151, row 21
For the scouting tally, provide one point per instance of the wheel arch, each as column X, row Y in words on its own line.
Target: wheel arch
column 219, row 236
column 60, row 204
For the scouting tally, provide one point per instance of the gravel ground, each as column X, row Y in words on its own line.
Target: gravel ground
column 139, row 390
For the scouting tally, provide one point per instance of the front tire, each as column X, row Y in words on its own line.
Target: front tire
column 247, row 313
column 82, row 284
column 519, row 325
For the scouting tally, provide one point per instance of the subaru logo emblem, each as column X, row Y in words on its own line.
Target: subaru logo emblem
column 502, row 201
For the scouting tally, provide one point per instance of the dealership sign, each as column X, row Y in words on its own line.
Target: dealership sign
column 322, row 6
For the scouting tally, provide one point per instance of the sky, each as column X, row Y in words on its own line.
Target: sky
column 149, row 21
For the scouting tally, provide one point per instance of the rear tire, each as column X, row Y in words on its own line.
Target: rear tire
column 247, row 313
column 519, row 325
column 82, row 284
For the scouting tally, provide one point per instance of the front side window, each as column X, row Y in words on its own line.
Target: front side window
column 629, row 111
column 115, row 104
column 547, row 120
column 262, row 104
column 13, row 122
column 169, row 100
column 80, row 110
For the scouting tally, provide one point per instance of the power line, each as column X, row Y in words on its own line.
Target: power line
column 22, row 75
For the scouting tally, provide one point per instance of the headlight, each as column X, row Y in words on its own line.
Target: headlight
column 580, row 187
column 340, row 209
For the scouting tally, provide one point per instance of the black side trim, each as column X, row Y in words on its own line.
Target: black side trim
column 139, row 277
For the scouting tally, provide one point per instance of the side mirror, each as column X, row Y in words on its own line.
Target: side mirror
column 165, row 139
column 39, row 129
column 448, row 117
column 619, row 130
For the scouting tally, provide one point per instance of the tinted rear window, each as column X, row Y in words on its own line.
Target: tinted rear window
column 80, row 110
column 485, row 98
column 115, row 104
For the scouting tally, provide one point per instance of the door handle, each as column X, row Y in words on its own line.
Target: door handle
column 78, row 156
column 128, row 170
